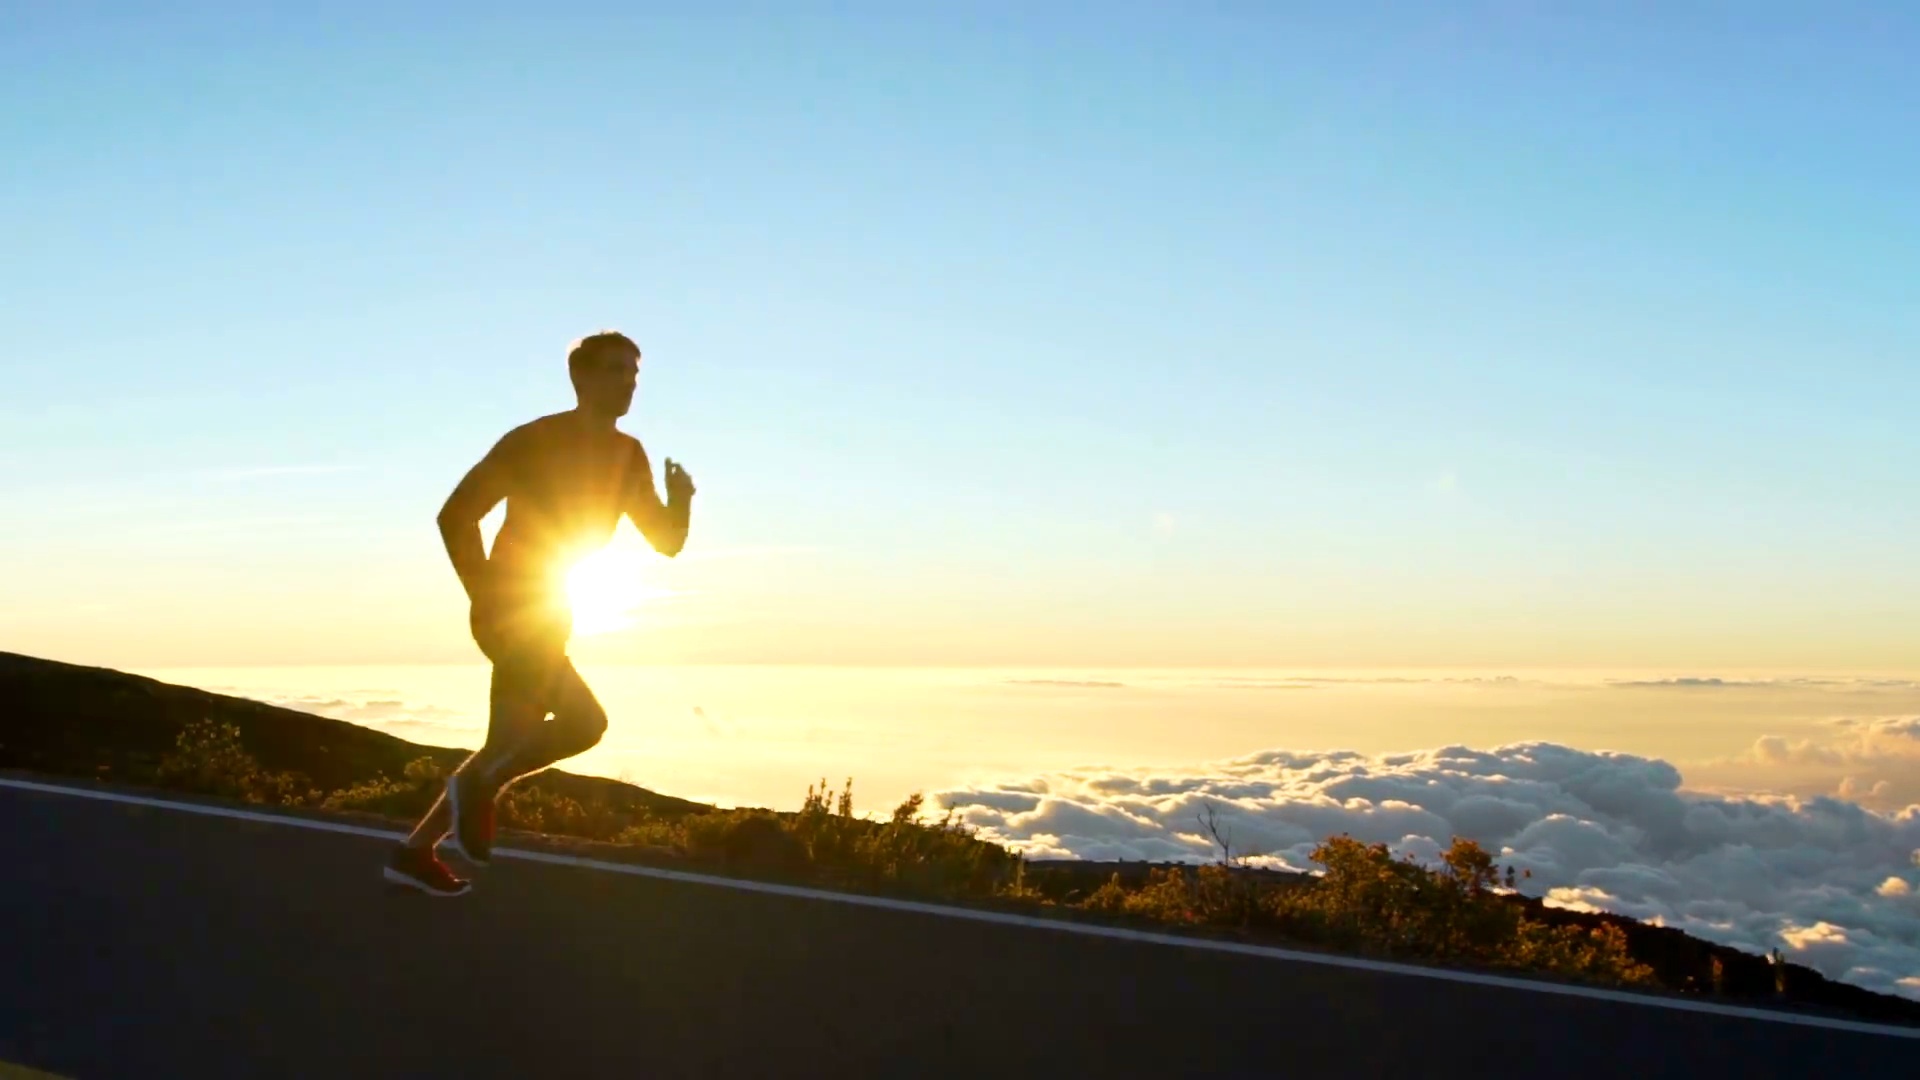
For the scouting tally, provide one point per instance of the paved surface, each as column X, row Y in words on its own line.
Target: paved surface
column 139, row 942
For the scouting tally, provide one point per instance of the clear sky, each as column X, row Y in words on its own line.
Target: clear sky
column 1512, row 333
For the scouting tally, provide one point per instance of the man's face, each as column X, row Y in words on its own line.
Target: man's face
column 607, row 382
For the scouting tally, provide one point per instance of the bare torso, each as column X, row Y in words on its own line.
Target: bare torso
column 568, row 485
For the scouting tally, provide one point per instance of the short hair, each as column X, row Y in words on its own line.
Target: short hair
column 591, row 348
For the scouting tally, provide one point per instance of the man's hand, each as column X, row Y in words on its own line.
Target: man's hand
column 663, row 524
column 679, row 484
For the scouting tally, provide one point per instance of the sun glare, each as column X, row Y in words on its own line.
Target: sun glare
column 608, row 588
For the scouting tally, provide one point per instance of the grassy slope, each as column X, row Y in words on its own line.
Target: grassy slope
column 69, row 720
column 96, row 722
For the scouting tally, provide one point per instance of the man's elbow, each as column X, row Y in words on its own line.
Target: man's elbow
column 454, row 518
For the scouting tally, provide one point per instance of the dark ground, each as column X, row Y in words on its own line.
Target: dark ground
column 146, row 942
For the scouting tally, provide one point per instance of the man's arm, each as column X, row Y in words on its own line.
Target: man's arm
column 477, row 493
column 663, row 524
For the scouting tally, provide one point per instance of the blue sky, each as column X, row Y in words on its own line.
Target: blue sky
column 1268, row 334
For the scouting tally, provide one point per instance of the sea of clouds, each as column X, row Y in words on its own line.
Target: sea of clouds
column 1832, row 883
column 375, row 709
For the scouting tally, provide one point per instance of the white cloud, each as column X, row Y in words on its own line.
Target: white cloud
column 1872, row 760
column 382, row 712
column 1829, row 882
column 1717, row 682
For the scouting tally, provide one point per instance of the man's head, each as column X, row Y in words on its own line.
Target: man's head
column 603, row 368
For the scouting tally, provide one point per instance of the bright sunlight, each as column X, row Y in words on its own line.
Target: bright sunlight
column 608, row 588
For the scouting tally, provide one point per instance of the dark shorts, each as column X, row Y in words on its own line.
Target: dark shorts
column 533, row 677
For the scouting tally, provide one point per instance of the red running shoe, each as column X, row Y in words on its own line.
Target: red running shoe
column 420, row 868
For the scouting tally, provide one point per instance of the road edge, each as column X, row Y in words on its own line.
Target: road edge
column 1002, row 918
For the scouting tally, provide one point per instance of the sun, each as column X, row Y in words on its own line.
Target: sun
column 607, row 588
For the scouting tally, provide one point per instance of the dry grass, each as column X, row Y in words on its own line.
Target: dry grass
column 1366, row 901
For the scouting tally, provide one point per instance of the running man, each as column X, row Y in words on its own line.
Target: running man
column 566, row 479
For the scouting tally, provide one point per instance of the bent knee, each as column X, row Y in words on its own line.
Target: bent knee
column 585, row 725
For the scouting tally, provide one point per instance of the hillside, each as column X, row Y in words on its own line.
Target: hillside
column 67, row 720
column 70, row 720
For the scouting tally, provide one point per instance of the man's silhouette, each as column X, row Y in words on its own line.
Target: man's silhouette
column 566, row 479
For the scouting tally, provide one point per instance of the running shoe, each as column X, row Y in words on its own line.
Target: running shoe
column 420, row 868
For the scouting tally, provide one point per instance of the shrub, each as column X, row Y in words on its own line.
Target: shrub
column 941, row 858
column 536, row 809
column 409, row 796
column 208, row 757
column 1366, row 900
column 652, row 832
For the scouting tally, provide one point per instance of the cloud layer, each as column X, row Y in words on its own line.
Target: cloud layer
column 1873, row 760
column 1831, row 883
column 379, row 712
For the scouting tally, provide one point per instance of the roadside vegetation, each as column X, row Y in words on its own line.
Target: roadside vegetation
column 1366, row 900
column 1462, row 910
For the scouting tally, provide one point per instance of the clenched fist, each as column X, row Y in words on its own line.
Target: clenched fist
column 679, row 484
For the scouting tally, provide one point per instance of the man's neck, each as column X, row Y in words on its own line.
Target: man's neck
column 596, row 423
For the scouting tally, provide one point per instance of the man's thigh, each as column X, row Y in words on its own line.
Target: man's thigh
column 526, row 687
column 568, row 695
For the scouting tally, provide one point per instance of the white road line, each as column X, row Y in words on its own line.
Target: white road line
column 999, row 918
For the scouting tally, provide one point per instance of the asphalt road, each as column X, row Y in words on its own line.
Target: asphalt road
column 139, row 942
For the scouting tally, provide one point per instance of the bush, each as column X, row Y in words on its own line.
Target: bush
column 653, row 832
column 377, row 795
column 826, row 842
column 941, row 858
column 745, row 839
column 536, row 809
column 1366, row 900
column 208, row 758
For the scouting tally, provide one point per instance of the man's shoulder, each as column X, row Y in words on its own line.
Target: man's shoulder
column 537, row 430
column 552, row 422
column 556, row 432
column 633, row 445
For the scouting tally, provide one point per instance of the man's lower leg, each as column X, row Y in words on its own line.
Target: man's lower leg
column 433, row 826
column 491, row 770
column 438, row 820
